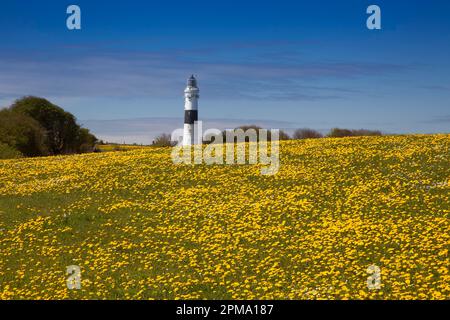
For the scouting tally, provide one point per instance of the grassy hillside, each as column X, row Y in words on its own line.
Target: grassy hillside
column 141, row 227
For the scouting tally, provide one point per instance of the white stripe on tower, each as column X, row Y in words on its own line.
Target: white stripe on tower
column 191, row 95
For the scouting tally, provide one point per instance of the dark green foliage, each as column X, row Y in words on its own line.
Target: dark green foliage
column 22, row 133
column 284, row 135
column 85, row 141
column 163, row 140
column 36, row 127
column 339, row 133
column 61, row 127
column 7, row 152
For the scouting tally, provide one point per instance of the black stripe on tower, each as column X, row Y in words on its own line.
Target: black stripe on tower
column 190, row 116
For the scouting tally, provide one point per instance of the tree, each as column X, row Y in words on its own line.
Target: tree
column 22, row 133
column 307, row 134
column 63, row 133
column 85, row 141
column 284, row 136
column 338, row 133
column 163, row 140
column 8, row 152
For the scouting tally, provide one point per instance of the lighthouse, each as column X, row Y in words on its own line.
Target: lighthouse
column 191, row 96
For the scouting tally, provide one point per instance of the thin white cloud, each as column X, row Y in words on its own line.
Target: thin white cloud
column 160, row 74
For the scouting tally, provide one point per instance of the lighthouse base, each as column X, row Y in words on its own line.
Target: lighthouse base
column 188, row 135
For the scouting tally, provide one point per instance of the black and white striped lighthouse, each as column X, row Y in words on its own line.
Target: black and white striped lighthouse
column 191, row 96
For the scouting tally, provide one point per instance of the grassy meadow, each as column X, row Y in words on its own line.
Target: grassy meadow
column 140, row 227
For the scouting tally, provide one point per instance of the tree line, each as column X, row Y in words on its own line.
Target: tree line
column 164, row 140
column 34, row 126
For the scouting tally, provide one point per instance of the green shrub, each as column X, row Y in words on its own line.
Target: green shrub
column 85, row 141
column 22, row 133
column 284, row 136
column 339, row 133
column 163, row 140
column 7, row 152
column 63, row 134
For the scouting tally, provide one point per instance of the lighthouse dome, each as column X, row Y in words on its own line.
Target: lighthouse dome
column 192, row 82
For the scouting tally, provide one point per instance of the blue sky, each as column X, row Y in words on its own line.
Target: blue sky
column 292, row 63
